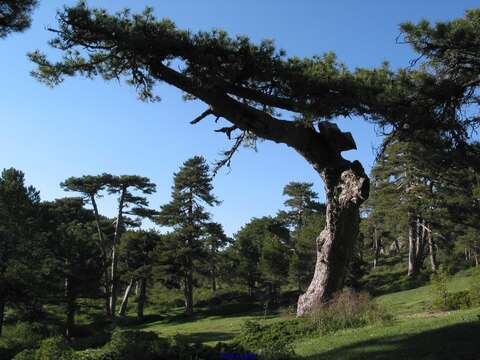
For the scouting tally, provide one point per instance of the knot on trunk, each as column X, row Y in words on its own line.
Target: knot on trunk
column 354, row 184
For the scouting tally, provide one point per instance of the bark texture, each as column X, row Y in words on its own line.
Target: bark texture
column 345, row 189
column 432, row 249
column 114, row 265
column 124, row 305
column 70, row 307
column 418, row 234
column 377, row 246
column 142, row 297
column 106, row 277
column 188, row 293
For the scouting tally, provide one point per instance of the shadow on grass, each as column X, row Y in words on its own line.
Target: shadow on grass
column 451, row 342
column 386, row 282
column 203, row 337
column 178, row 317
column 224, row 311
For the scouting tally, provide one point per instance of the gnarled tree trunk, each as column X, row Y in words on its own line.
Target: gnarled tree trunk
column 345, row 189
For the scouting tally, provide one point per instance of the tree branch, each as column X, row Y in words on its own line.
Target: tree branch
column 202, row 116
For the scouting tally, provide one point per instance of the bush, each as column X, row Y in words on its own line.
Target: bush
column 439, row 282
column 140, row 345
column 50, row 349
column 347, row 309
column 273, row 341
column 130, row 345
column 25, row 355
column 475, row 287
column 453, row 301
column 30, row 334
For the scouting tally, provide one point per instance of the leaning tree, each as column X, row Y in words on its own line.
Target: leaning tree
column 261, row 93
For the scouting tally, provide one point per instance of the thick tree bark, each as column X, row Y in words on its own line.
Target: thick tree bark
column 142, row 296
column 124, row 305
column 116, row 239
column 345, row 189
column 2, row 313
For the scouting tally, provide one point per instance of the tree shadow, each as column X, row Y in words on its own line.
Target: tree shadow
column 461, row 341
column 223, row 311
column 386, row 282
column 208, row 336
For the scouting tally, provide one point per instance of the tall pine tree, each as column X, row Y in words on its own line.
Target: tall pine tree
column 186, row 215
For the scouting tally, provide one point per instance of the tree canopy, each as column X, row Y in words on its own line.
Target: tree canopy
column 15, row 15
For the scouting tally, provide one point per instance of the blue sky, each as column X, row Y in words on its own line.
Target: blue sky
column 90, row 127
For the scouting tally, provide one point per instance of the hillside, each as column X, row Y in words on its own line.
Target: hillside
column 415, row 333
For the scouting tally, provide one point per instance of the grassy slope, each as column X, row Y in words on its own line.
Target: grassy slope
column 415, row 334
column 208, row 326
column 446, row 336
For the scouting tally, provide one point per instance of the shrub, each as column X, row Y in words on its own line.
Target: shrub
column 453, row 301
column 140, row 345
column 347, row 309
column 50, row 349
column 25, row 355
column 439, row 282
column 272, row 341
column 134, row 345
column 54, row 348
column 475, row 287
column 30, row 334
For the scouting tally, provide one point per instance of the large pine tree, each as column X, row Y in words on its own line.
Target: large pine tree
column 186, row 215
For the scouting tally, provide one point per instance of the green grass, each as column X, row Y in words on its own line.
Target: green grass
column 443, row 336
column 416, row 332
column 207, row 326
column 419, row 299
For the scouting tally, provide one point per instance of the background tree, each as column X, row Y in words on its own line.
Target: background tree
column 128, row 204
column 21, row 251
column 78, row 264
column 215, row 240
column 185, row 213
column 273, row 264
column 257, row 257
column 91, row 188
column 302, row 259
column 301, row 204
column 136, row 259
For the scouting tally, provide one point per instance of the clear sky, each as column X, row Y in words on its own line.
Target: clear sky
column 90, row 127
